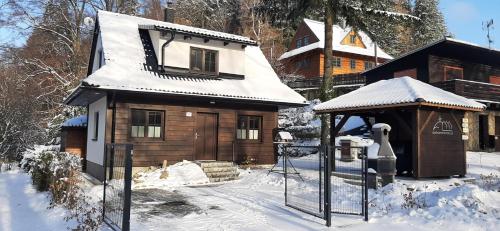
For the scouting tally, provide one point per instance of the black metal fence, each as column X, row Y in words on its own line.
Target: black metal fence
column 320, row 181
column 349, row 173
column 117, row 186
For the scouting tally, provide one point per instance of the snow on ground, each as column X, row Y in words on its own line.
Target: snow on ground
column 256, row 202
column 23, row 208
column 182, row 173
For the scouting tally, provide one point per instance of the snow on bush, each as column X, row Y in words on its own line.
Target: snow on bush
column 182, row 173
column 301, row 121
column 455, row 200
column 58, row 172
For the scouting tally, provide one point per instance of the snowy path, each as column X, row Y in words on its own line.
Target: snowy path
column 23, row 208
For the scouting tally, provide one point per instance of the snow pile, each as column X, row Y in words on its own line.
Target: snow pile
column 441, row 202
column 182, row 173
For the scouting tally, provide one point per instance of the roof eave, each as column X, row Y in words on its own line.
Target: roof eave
column 389, row 106
column 162, row 28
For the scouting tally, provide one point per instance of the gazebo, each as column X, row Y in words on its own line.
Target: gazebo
column 428, row 125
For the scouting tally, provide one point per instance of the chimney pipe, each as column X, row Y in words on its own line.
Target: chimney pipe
column 169, row 13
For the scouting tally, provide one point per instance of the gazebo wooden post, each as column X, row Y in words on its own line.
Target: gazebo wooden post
column 332, row 140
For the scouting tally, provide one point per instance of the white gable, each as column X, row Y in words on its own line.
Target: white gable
column 125, row 67
column 339, row 33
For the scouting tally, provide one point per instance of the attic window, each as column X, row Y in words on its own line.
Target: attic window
column 353, row 39
column 298, row 43
column 203, row 60
column 306, row 40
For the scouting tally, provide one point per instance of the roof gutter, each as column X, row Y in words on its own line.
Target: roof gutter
column 172, row 36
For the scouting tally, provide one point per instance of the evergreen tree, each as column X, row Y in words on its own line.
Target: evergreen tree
column 431, row 26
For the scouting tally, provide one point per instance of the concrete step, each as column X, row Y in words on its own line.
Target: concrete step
column 218, row 171
column 222, row 174
column 349, row 176
column 209, row 164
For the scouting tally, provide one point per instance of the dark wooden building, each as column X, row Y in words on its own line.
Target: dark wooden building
column 74, row 137
column 353, row 51
column 178, row 93
column 427, row 123
column 463, row 68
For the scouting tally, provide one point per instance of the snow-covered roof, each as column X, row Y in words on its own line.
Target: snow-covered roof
column 125, row 67
column 339, row 33
column 79, row 121
column 397, row 91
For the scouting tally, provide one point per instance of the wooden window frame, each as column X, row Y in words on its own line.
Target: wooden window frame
column 352, row 38
column 351, row 61
column 260, row 128
column 493, row 77
column 305, row 40
column 334, row 62
column 370, row 64
column 298, row 43
column 146, row 123
column 203, row 53
column 445, row 67
column 95, row 134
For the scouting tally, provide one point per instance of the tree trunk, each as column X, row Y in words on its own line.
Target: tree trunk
column 327, row 75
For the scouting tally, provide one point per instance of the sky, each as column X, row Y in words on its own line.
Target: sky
column 464, row 19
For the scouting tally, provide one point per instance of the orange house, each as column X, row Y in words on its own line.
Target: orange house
column 353, row 53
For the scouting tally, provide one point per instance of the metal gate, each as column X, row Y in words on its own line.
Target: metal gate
column 117, row 186
column 349, row 177
column 317, row 188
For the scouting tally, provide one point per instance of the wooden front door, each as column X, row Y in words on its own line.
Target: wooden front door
column 497, row 133
column 206, row 136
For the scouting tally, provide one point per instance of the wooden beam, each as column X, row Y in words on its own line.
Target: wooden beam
column 339, row 126
column 416, row 143
column 421, row 129
column 402, row 122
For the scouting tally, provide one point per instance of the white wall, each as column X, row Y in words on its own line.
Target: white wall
column 231, row 57
column 98, row 47
column 95, row 148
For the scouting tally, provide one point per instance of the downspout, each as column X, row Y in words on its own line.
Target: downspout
column 172, row 36
column 113, row 117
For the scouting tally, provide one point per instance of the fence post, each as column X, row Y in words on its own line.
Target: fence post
column 285, row 163
column 328, row 184
column 128, row 187
column 365, row 185
column 106, row 148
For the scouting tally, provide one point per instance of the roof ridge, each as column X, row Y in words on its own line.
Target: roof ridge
column 156, row 22
column 410, row 83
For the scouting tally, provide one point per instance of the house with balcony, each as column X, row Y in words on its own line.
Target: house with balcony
column 178, row 93
column 462, row 68
column 353, row 53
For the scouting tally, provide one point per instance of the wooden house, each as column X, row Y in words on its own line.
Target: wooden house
column 427, row 123
column 178, row 93
column 460, row 67
column 74, row 137
column 353, row 53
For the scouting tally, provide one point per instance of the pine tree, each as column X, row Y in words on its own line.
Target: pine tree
column 431, row 26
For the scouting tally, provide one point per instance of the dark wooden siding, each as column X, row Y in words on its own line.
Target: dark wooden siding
column 440, row 153
column 302, row 30
column 179, row 129
column 471, row 71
